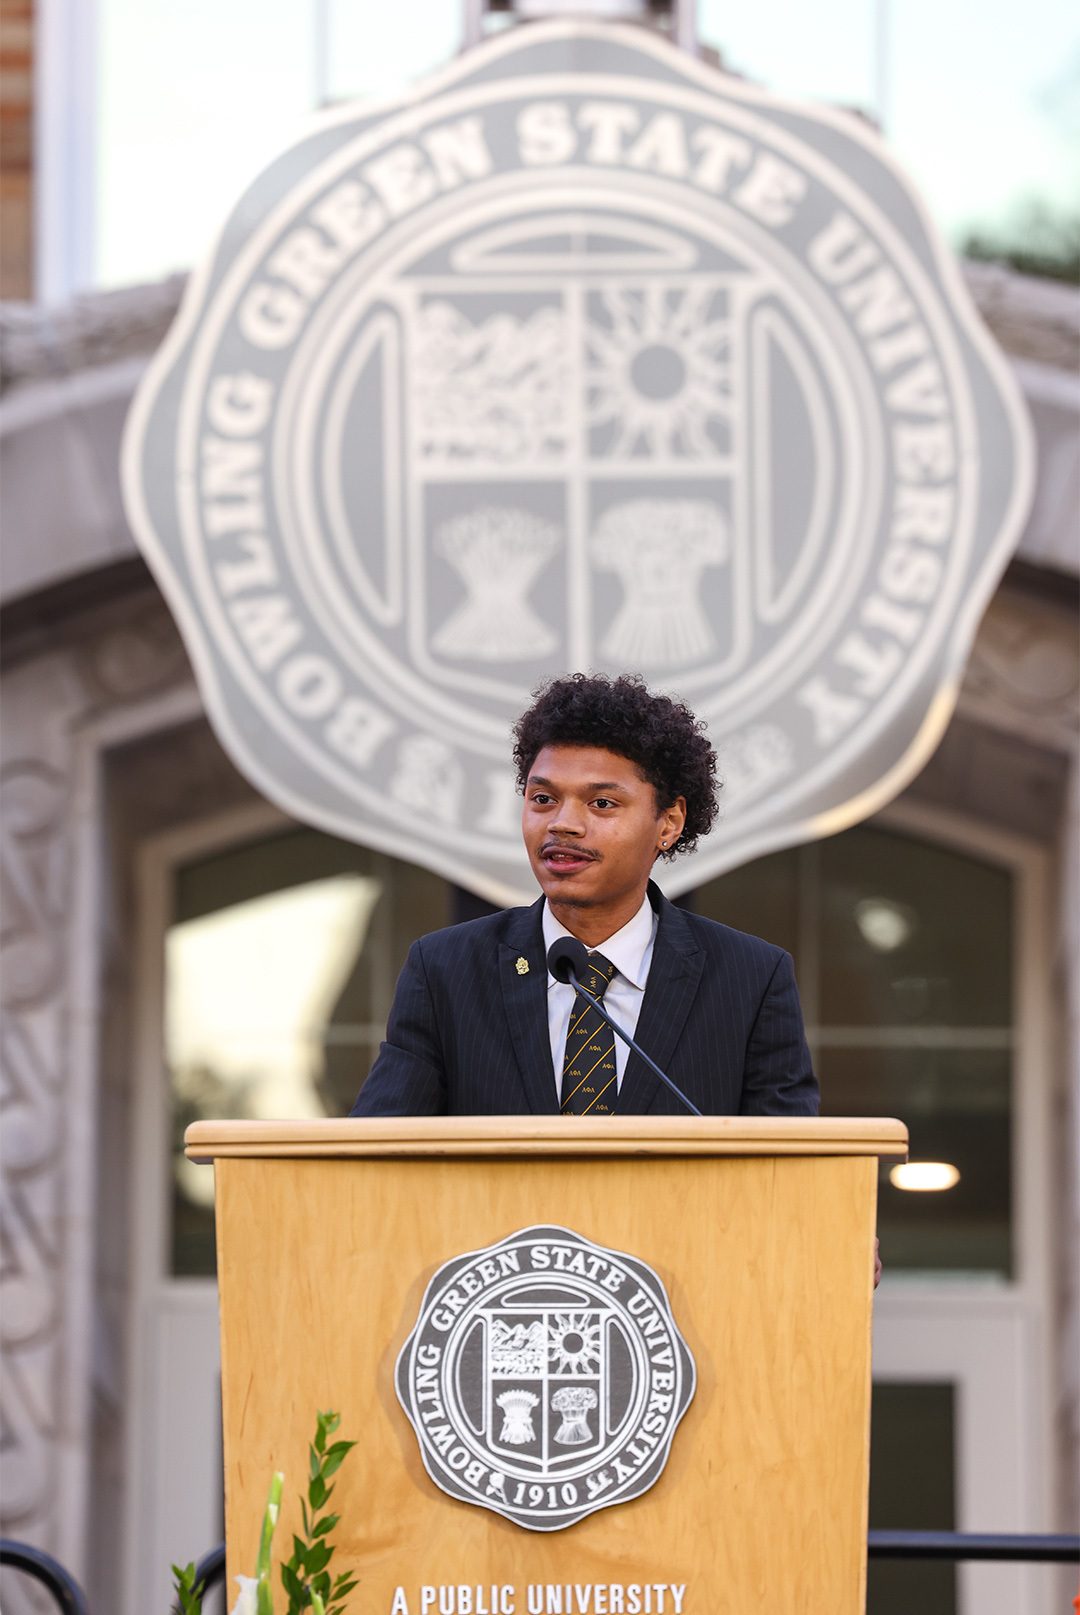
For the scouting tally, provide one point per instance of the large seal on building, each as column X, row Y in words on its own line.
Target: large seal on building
column 583, row 355
column 545, row 1377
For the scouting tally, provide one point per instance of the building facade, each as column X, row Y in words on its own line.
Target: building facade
column 938, row 949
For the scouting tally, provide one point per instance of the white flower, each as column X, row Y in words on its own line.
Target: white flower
column 245, row 1603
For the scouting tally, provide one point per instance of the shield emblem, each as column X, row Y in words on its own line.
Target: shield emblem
column 588, row 404
column 548, row 1391
column 563, row 385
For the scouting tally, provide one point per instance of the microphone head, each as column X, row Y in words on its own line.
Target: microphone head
column 567, row 958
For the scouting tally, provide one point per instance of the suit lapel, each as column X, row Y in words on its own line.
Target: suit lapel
column 674, row 978
column 525, row 999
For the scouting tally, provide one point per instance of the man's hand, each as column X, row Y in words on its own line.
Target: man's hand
column 877, row 1263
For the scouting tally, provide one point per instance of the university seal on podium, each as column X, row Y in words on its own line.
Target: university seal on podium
column 545, row 1377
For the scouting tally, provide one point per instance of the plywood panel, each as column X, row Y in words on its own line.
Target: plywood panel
column 762, row 1506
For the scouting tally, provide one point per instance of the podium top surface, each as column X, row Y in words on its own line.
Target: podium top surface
column 546, row 1136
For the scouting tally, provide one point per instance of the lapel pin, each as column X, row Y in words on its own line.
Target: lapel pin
column 521, row 965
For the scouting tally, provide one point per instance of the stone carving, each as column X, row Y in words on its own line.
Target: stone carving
column 37, row 342
column 1024, row 670
column 134, row 659
column 34, row 869
column 1032, row 319
column 46, row 1213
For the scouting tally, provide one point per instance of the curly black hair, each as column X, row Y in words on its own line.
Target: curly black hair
column 660, row 736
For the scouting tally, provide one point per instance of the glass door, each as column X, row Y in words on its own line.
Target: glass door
column 917, row 944
column 269, row 956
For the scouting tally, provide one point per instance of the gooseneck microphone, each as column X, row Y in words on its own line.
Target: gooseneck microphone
column 567, row 960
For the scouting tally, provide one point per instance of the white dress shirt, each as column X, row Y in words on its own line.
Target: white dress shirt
column 630, row 951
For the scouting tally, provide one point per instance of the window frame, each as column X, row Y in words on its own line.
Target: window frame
column 990, row 1336
column 1032, row 1018
column 65, row 148
column 156, row 1297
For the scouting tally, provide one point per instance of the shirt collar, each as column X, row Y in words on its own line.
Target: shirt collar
column 630, row 949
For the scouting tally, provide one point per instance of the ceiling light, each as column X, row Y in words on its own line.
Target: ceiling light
column 886, row 926
column 924, row 1176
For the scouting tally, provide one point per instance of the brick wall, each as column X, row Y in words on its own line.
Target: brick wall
column 16, row 147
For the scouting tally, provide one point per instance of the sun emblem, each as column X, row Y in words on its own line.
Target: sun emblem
column 658, row 372
column 573, row 1343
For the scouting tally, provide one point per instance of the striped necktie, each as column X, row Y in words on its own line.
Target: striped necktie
column 588, row 1073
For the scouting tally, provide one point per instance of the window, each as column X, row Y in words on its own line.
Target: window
column 191, row 101
column 158, row 115
column 912, row 1488
column 976, row 102
column 904, row 954
column 280, row 965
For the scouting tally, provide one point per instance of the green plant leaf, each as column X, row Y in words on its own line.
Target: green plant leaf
column 304, row 1576
column 189, row 1593
column 293, row 1586
column 270, row 1519
column 334, row 1458
column 317, row 1557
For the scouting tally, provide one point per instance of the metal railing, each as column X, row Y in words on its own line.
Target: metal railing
column 952, row 1546
column 65, row 1591
column 958, row 1545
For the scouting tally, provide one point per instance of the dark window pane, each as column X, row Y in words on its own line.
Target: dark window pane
column 272, row 864
column 957, row 1106
column 903, row 950
column 912, row 1488
column 762, row 898
column 912, row 934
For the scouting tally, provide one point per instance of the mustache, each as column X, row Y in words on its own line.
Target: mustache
column 568, row 846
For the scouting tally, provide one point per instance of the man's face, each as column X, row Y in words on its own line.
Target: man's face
column 592, row 828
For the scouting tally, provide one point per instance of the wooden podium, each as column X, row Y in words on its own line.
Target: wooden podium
column 761, row 1232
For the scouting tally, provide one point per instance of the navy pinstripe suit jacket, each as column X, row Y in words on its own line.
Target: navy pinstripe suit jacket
column 468, row 1033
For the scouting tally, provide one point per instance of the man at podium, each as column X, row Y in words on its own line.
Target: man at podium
column 613, row 777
